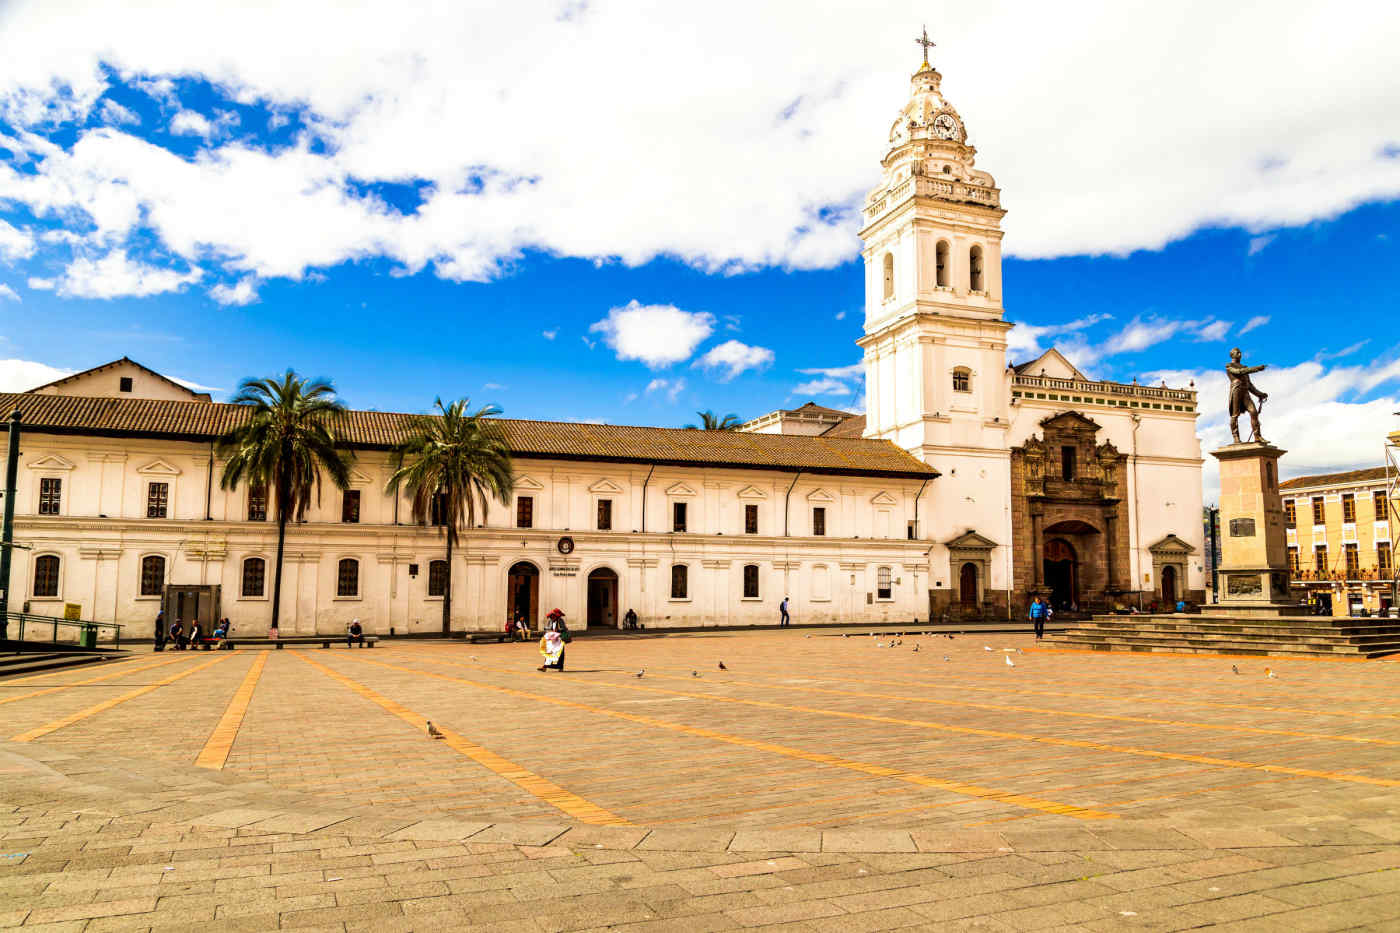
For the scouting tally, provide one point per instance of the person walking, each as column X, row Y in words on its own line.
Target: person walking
column 784, row 618
column 1037, row 615
column 160, row 630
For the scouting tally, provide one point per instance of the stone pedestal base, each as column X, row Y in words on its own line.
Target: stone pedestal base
column 1254, row 549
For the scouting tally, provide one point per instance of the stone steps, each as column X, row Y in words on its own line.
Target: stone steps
column 1308, row 637
column 23, row 664
column 1281, row 637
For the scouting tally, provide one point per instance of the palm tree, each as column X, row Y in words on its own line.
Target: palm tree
column 459, row 459
column 284, row 445
column 709, row 421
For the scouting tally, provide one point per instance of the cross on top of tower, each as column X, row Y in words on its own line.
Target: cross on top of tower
column 926, row 42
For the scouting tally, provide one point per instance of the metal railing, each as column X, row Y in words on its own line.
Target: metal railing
column 49, row 626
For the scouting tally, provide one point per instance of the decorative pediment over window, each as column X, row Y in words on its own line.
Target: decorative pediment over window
column 680, row 489
column 1069, row 421
column 752, row 492
column 527, row 483
column 159, row 468
column 820, row 495
column 605, row 485
column 970, row 541
column 1171, row 545
column 359, row 479
column 883, row 498
column 51, row 463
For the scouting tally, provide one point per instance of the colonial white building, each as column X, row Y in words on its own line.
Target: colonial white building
column 969, row 485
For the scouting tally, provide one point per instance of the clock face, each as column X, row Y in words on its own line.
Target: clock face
column 945, row 126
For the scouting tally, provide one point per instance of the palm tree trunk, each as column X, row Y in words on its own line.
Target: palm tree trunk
column 277, row 574
column 447, row 591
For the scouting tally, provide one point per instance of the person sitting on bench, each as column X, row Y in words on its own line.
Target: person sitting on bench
column 354, row 634
column 630, row 619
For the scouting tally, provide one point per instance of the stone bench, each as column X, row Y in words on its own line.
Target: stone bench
column 325, row 641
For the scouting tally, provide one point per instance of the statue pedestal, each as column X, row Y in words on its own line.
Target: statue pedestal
column 1253, row 544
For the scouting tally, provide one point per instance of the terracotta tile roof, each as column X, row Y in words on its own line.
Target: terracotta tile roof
column 205, row 421
column 854, row 426
column 1334, row 479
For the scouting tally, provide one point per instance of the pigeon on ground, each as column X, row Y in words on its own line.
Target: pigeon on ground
column 475, row 658
column 806, row 636
column 900, row 642
column 722, row 667
column 694, row 673
column 916, row 647
column 433, row 732
column 1235, row 668
column 986, row 647
column 946, row 658
column 641, row 672
column 1019, row 651
column 1009, row 662
column 1270, row 674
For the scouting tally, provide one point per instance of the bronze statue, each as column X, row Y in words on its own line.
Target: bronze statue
column 1241, row 390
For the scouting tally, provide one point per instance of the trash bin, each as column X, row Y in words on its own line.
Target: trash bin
column 88, row 637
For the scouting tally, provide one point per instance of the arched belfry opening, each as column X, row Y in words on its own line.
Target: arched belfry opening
column 889, row 276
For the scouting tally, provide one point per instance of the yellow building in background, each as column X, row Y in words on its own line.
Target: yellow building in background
column 1340, row 540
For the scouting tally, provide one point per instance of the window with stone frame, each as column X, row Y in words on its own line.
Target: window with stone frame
column 751, row 581
column 605, row 515
column 750, row 519
column 158, row 500
column 678, row 516
column 1319, row 515
column 1378, row 500
column 1348, row 508
column 1353, row 559
column 884, row 588
column 524, row 511
column 350, row 507
column 347, row 579
column 437, row 578
column 152, row 575
column 437, row 510
column 940, row 259
column 819, row 521
column 888, row 266
column 680, row 581
column 1290, row 513
column 1320, row 558
column 257, row 503
column 962, row 379
column 46, row 576
column 1383, row 556
column 974, row 269
column 1293, row 564
column 50, row 495
column 1068, row 456
column 254, row 577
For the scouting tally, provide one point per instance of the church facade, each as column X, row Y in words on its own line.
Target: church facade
column 970, row 484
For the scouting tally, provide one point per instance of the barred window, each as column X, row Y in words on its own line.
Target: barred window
column 750, row 581
column 254, row 576
column 46, row 576
column 50, row 495
column 257, row 503
column 680, row 581
column 350, row 507
column 750, row 519
column 525, row 512
column 605, row 515
column 437, row 577
column 883, row 588
column 157, row 500
column 348, row 577
column 152, row 575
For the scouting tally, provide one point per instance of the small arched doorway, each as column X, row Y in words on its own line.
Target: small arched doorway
column 602, row 598
column 523, row 592
column 1169, row 587
column 1062, row 573
column 967, row 586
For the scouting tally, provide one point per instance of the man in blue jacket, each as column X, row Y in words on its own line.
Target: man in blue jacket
column 1038, row 617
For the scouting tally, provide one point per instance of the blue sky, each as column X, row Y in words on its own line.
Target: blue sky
column 629, row 227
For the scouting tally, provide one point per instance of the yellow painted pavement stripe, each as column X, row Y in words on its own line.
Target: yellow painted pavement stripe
column 105, row 705
column 909, row 777
column 532, row 783
column 215, row 751
column 992, row 733
column 91, row 680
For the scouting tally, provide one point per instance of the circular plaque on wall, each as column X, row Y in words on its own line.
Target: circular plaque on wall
column 566, row 545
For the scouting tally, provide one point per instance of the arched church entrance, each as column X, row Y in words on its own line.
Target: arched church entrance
column 967, row 586
column 523, row 592
column 602, row 598
column 1062, row 573
column 1169, row 587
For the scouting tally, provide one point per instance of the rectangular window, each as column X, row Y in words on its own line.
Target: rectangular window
column 1320, row 558
column 1379, row 499
column 750, row 519
column 350, row 507
column 437, row 508
column 254, row 573
column 1348, row 507
column 157, row 500
column 1383, row 556
column 1290, row 514
column 348, row 577
column 1293, row 559
column 124, row 384
column 1318, row 517
column 152, row 575
column 50, row 495
column 525, row 512
column 257, row 503
column 437, row 577
column 605, row 515
column 46, row 575
column 1067, row 464
column 751, row 581
column 1353, row 556
column 883, row 589
column 911, row 529
column 680, row 581
column 678, row 516
column 819, row 521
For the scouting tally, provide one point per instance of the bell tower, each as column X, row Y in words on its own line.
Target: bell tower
column 935, row 340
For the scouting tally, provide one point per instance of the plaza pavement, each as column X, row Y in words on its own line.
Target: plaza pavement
column 821, row 782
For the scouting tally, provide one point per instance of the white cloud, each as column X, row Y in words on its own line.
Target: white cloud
column 1258, row 244
column 116, row 276
column 189, row 123
column 7, row 293
column 1213, row 330
column 23, row 375
column 1024, row 340
column 670, row 388
column 657, row 335
column 840, row 315
column 550, row 334
column 493, row 386
column 733, row 358
column 766, row 154
column 195, row 386
column 14, row 242
column 822, row 387
column 1259, row 320
column 243, row 292
column 854, row 371
column 42, row 285
column 113, row 112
